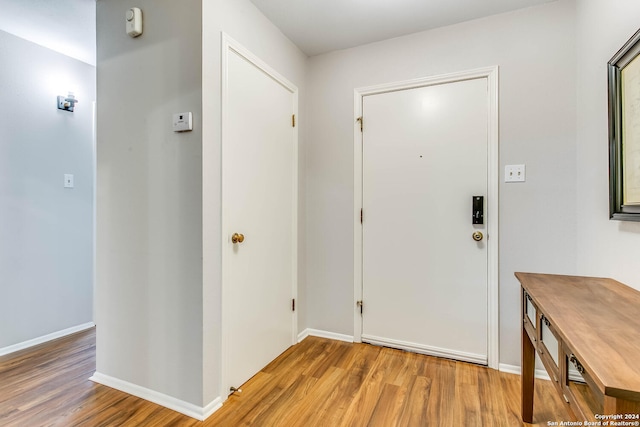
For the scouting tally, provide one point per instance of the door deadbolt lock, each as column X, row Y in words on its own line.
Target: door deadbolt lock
column 237, row 238
column 478, row 210
column 477, row 236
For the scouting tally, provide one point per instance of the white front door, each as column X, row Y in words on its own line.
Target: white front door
column 259, row 175
column 424, row 278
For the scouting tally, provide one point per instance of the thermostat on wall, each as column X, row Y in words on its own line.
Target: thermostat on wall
column 182, row 122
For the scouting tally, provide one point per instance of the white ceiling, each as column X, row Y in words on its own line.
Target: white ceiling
column 316, row 26
column 66, row 26
column 319, row 26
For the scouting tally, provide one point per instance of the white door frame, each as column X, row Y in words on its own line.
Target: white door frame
column 491, row 74
column 229, row 45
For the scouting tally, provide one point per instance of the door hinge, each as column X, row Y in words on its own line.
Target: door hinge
column 293, row 304
column 360, row 304
column 359, row 119
column 361, row 216
column 293, row 120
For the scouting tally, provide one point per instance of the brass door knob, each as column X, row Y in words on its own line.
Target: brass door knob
column 477, row 236
column 237, row 238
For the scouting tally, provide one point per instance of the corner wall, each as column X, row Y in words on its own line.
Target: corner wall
column 605, row 248
column 535, row 50
column 149, row 206
column 46, row 230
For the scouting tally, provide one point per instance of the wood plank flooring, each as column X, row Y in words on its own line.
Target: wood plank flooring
column 318, row 382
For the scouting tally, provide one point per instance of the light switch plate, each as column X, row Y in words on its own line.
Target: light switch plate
column 68, row 180
column 514, row 173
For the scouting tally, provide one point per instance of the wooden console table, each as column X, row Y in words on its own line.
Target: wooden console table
column 592, row 324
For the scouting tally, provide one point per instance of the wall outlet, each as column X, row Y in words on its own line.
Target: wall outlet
column 514, row 173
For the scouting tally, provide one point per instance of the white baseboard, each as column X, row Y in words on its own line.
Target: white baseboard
column 324, row 334
column 212, row 407
column 49, row 337
column 186, row 408
column 540, row 374
column 302, row 335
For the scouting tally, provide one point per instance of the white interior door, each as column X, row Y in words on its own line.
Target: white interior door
column 425, row 154
column 259, row 202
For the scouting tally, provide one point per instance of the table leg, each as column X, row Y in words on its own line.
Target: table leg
column 527, row 376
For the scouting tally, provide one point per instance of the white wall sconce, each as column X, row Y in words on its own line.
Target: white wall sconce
column 67, row 103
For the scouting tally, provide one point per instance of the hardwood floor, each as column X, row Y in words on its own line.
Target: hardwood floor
column 318, row 382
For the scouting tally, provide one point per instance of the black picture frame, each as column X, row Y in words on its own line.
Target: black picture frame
column 619, row 209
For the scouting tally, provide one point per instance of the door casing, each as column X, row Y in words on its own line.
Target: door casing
column 230, row 46
column 491, row 74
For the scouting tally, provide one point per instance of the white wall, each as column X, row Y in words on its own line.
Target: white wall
column 46, row 231
column 242, row 21
column 535, row 49
column 149, row 198
column 604, row 248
